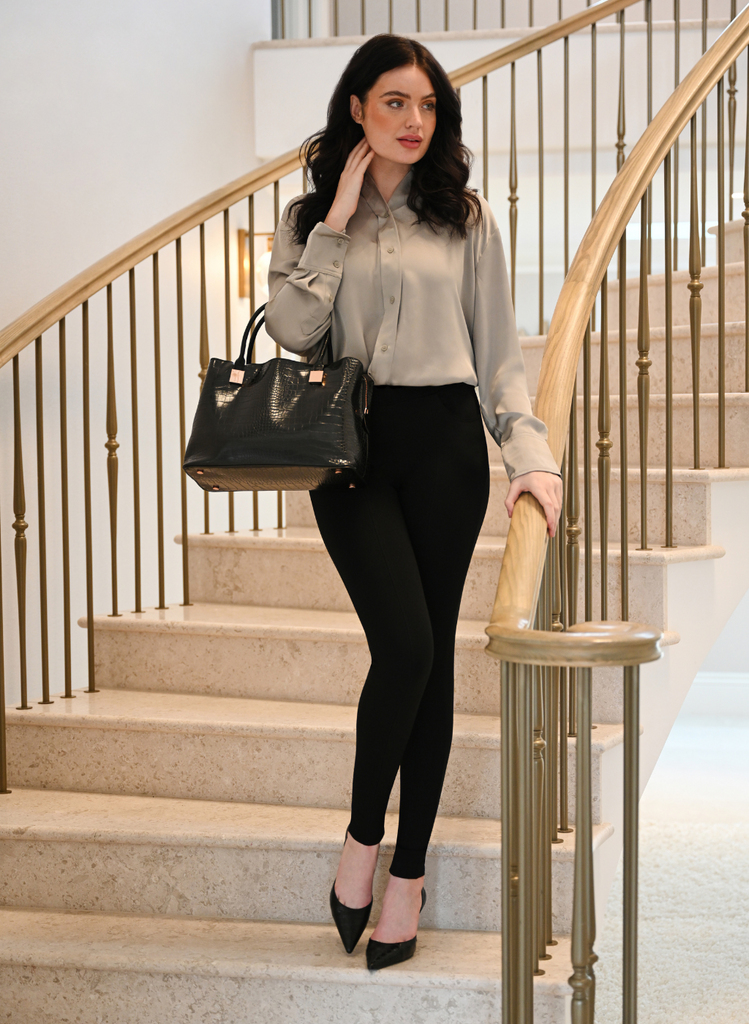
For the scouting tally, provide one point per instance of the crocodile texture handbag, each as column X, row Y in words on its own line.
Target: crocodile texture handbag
column 280, row 425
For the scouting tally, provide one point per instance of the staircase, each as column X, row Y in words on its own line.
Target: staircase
column 171, row 840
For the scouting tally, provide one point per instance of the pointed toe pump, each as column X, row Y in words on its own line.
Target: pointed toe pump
column 350, row 921
column 386, row 954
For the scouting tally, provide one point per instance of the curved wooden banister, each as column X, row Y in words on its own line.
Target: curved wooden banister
column 47, row 312
column 523, row 562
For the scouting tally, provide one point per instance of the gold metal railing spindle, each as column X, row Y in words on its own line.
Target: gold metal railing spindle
column 526, row 920
column 573, row 543
column 182, row 430
column 513, row 197
column 508, row 782
column 631, row 827
column 20, row 544
column 649, row 36
column 390, row 16
column 643, row 364
column 41, row 512
column 704, row 145
column 587, row 477
column 620, row 121
column 158, row 432
column 540, row 72
column 227, row 322
column 745, row 215
column 593, row 121
column 695, row 287
column 137, row 561
column 677, row 78
column 418, row 15
column 502, row 19
column 276, row 218
column 205, row 353
column 447, row 15
column 563, row 705
column 548, row 808
column 539, row 931
column 669, row 355
column 530, row 14
column 112, row 445
column 581, row 980
column 87, row 513
column 566, row 154
column 485, row 133
column 251, row 242
column 3, row 734
column 721, row 240
column 623, row 454
column 309, row 19
column 553, row 704
column 65, row 510
column 475, row 14
column 604, row 444
column 363, row 17
column 282, row 5
column 335, row 17
column 732, row 90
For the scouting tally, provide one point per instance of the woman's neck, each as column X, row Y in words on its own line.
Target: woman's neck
column 387, row 176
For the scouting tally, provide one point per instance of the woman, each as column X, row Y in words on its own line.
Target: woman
column 404, row 265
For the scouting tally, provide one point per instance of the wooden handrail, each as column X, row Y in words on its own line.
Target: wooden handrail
column 523, row 561
column 48, row 311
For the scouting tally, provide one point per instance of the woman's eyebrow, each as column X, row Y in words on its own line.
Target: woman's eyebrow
column 405, row 95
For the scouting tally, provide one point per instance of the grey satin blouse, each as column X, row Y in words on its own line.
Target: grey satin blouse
column 415, row 306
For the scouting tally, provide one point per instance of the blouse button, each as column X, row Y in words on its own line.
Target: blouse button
column 391, row 249
column 336, row 263
column 340, row 241
column 392, row 299
column 384, row 348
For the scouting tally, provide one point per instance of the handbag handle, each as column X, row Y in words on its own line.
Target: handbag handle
column 324, row 353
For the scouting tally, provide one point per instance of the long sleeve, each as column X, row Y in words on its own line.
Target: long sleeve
column 303, row 282
column 503, row 389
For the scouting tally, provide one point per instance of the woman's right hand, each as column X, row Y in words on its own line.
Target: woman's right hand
column 349, row 187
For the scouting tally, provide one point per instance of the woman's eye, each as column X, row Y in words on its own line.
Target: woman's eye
column 395, row 103
column 429, row 106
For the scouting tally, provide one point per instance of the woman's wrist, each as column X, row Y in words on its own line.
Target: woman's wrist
column 336, row 220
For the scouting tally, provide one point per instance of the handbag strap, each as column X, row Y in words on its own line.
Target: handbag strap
column 323, row 353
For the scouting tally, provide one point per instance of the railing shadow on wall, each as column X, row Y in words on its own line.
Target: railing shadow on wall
column 112, row 363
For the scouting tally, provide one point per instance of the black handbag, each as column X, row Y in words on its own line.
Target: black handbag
column 280, row 425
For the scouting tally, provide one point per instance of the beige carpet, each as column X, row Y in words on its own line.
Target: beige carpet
column 694, row 886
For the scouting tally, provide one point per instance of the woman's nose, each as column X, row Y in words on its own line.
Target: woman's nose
column 414, row 118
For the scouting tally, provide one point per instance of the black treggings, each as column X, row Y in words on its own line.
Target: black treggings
column 402, row 543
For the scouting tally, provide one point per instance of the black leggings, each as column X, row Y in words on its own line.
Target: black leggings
column 402, row 543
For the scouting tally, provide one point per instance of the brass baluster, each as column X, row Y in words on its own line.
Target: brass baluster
column 526, row 920
column 447, row 15
column 593, row 119
column 563, row 673
column 623, row 453
column 363, row 17
column 112, row 445
column 390, row 18
column 87, row 500
column 548, row 808
column 643, row 364
column 136, row 446
column 620, row 123
column 539, row 930
column 573, row 545
column 205, row 353
column 649, row 35
column 485, row 132
column 583, row 913
column 513, row 197
column 3, row 733
column 40, row 494
column 704, row 144
column 530, row 13
column 251, row 237
column 539, row 58
column 158, row 431
column 182, row 432
column 566, row 155
column 604, row 444
column 276, row 218
column 502, row 14
column 418, row 15
column 335, row 17
column 695, row 287
column 631, row 827
column 65, row 515
column 227, row 329
column 282, row 4
column 721, row 282
column 20, row 526
column 745, row 215
column 732, row 90
column 677, row 79
column 309, row 19
column 553, row 702
column 509, row 783
column 475, row 14
column 587, row 478
column 669, row 357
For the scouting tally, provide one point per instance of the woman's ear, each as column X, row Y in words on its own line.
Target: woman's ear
column 356, row 109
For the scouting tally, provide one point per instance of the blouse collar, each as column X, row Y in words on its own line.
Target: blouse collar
column 377, row 204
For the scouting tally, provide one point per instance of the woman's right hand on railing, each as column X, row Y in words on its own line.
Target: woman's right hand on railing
column 349, row 187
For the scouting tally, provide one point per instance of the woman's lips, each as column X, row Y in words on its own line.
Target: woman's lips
column 410, row 143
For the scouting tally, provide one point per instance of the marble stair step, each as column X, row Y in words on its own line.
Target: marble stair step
column 267, row 653
column 150, row 855
column 691, row 508
column 735, row 341
column 90, row 968
column 192, row 746
column 291, row 568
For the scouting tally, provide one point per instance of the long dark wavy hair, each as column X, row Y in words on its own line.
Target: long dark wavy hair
column 439, row 196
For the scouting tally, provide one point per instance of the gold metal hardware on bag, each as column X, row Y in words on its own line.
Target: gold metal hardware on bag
column 236, row 377
column 317, row 376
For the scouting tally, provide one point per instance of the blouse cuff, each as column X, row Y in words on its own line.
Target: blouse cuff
column 325, row 251
column 527, row 453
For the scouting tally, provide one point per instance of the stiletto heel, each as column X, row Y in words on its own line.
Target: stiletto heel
column 350, row 921
column 385, row 954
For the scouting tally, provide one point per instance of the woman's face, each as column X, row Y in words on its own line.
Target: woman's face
column 398, row 115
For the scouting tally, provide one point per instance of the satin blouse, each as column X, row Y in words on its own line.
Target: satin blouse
column 417, row 307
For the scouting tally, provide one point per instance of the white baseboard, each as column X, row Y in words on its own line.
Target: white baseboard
column 718, row 693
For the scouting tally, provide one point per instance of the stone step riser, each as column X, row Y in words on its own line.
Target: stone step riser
column 681, row 363
column 288, row 770
column 734, row 297
column 328, row 672
column 264, row 884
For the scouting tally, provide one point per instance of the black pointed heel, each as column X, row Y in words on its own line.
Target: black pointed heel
column 350, row 921
column 386, row 954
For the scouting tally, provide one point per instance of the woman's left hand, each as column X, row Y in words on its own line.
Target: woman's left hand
column 546, row 488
